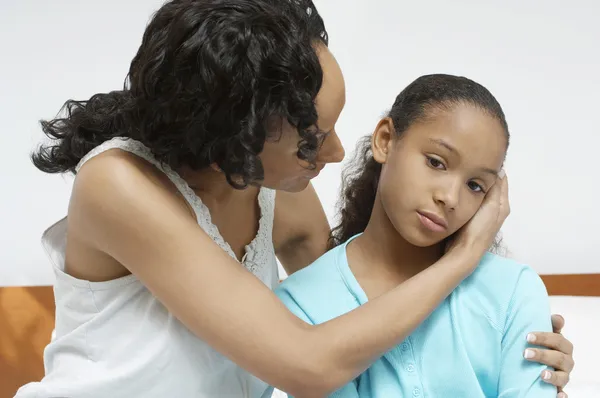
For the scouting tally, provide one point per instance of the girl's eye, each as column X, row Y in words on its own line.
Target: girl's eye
column 435, row 163
column 475, row 187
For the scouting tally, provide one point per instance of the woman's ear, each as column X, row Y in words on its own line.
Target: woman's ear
column 381, row 141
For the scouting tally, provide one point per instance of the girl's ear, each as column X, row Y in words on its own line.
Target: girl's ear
column 382, row 139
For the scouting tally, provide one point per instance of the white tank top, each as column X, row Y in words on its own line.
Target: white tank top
column 115, row 339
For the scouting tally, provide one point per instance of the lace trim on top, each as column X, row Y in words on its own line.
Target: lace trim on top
column 257, row 251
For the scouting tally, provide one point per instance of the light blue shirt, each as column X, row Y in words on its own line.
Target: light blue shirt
column 471, row 346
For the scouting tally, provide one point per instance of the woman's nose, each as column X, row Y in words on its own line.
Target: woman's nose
column 332, row 150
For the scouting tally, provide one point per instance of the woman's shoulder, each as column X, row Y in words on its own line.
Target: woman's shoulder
column 117, row 165
column 114, row 194
column 119, row 178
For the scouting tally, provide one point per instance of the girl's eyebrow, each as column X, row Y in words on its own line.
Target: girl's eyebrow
column 441, row 143
column 444, row 144
column 489, row 171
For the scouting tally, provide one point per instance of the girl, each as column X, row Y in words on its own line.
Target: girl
column 166, row 261
column 426, row 170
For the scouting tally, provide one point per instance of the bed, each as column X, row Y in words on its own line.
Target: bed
column 577, row 298
column 27, row 322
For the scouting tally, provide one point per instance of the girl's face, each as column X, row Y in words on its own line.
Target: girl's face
column 436, row 175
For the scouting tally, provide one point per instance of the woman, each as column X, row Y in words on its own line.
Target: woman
column 424, row 173
column 227, row 101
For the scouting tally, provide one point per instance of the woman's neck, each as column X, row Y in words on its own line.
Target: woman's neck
column 212, row 187
column 381, row 259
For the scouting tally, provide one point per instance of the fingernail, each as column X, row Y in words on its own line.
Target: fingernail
column 529, row 354
column 561, row 395
column 546, row 375
column 501, row 174
column 531, row 338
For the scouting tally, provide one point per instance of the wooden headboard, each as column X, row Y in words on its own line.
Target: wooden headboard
column 572, row 284
column 26, row 324
column 27, row 321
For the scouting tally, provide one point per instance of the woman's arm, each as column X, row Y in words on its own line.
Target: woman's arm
column 116, row 209
column 300, row 229
column 300, row 235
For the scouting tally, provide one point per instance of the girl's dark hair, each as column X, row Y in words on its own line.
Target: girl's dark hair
column 413, row 104
column 205, row 80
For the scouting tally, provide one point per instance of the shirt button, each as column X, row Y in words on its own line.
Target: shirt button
column 404, row 347
column 410, row 368
column 416, row 392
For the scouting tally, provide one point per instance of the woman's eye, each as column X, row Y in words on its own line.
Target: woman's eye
column 475, row 187
column 436, row 164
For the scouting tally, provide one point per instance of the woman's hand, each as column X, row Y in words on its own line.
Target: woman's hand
column 478, row 234
column 559, row 354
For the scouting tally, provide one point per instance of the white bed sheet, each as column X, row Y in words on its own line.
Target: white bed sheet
column 582, row 315
column 577, row 389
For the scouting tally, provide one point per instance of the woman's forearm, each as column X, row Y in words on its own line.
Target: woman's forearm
column 346, row 346
column 234, row 312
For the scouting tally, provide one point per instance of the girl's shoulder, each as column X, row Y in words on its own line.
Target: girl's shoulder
column 319, row 292
column 497, row 286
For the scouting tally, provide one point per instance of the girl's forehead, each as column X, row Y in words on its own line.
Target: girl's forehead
column 465, row 132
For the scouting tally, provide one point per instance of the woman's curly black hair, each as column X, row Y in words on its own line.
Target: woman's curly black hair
column 207, row 76
column 415, row 103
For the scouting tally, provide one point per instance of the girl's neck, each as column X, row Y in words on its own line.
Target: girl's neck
column 381, row 259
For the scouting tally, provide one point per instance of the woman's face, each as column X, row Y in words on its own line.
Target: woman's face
column 283, row 169
column 436, row 175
